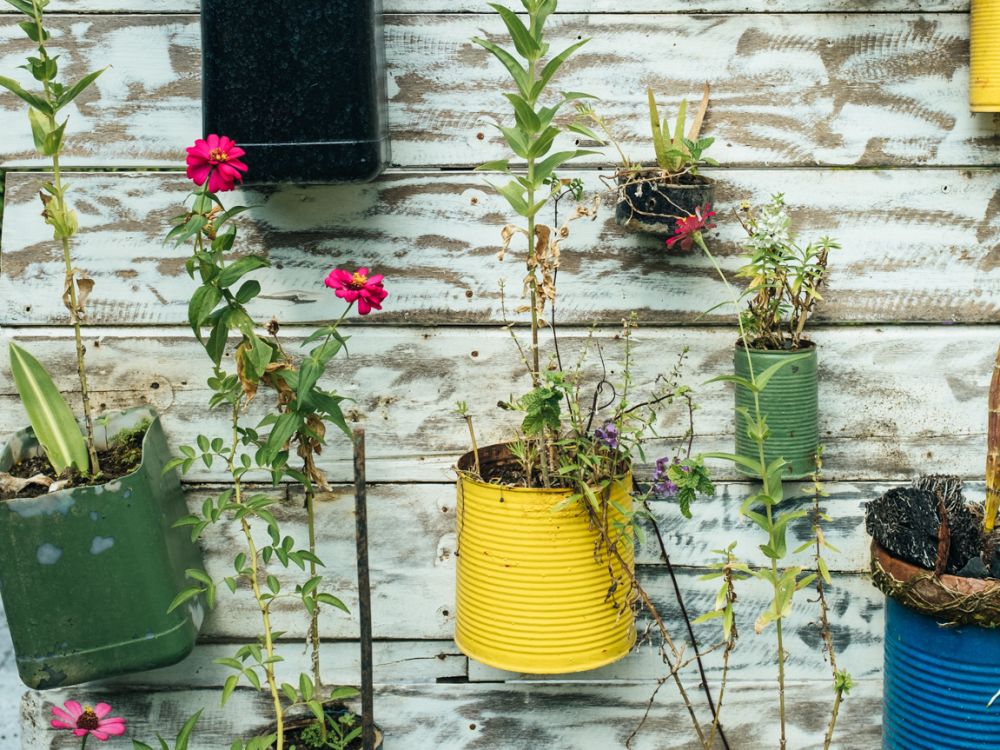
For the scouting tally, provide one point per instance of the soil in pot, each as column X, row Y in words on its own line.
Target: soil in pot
column 906, row 522
column 122, row 456
column 649, row 204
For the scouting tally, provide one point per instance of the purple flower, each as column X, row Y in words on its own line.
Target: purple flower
column 607, row 435
column 663, row 488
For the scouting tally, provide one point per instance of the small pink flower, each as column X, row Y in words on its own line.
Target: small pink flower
column 691, row 226
column 358, row 287
column 84, row 720
column 215, row 159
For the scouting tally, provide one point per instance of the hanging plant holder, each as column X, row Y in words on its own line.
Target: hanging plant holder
column 984, row 56
column 649, row 203
column 536, row 594
column 791, row 403
column 299, row 85
column 87, row 573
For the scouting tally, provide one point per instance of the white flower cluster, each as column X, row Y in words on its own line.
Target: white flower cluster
column 770, row 231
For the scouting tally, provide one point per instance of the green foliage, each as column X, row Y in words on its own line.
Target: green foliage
column 333, row 732
column 295, row 428
column 676, row 153
column 542, row 406
column 535, row 128
column 51, row 418
column 692, row 479
column 783, row 277
column 180, row 743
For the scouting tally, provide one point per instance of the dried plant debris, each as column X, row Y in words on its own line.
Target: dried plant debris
column 906, row 522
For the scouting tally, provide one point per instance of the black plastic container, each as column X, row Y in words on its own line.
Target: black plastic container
column 649, row 205
column 300, row 86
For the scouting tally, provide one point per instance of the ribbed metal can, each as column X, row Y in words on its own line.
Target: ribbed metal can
column 938, row 684
column 532, row 589
column 984, row 56
column 790, row 401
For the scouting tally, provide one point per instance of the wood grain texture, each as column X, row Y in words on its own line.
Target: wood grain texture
column 921, row 246
column 565, row 6
column 895, row 401
column 785, row 93
column 504, row 717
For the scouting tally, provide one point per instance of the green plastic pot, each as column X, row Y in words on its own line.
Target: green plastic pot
column 790, row 401
column 87, row 573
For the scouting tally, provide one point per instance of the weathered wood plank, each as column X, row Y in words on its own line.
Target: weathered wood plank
column 895, row 401
column 566, row 6
column 788, row 89
column 505, row 717
column 435, row 236
column 395, row 662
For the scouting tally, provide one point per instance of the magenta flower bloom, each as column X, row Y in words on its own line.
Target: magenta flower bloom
column 84, row 720
column 358, row 287
column 689, row 228
column 216, row 159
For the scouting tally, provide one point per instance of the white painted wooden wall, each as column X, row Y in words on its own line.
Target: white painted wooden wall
column 856, row 109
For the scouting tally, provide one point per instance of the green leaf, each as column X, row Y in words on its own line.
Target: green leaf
column 202, row 303
column 309, row 373
column 526, row 117
column 248, row 291
column 500, row 165
column 343, row 693
column 765, row 377
column 22, row 6
column 519, row 74
column 305, row 687
column 333, row 601
column 282, row 431
column 33, row 99
column 659, row 147
column 551, row 163
column 77, row 88
column 515, row 196
column 185, row 734
column 50, row 416
column 233, row 273
column 749, row 463
column 739, row 380
column 551, row 67
column 188, row 593
column 35, row 31
column 217, row 340
column 524, row 43
column 229, row 687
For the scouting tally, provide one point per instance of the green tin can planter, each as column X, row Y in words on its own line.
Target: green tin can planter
column 87, row 573
column 790, row 402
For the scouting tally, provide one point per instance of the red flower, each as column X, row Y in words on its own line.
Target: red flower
column 86, row 721
column 358, row 287
column 688, row 230
column 216, row 159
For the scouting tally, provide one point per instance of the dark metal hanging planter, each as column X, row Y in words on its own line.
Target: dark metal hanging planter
column 87, row 573
column 301, row 86
column 651, row 204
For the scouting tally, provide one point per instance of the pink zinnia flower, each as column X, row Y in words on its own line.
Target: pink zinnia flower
column 84, row 720
column 215, row 159
column 691, row 226
column 358, row 287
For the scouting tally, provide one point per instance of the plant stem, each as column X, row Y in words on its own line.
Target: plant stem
column 262, row 605
column 59, row 196
column 766, row 491
column 84, row 743
column 314, row 620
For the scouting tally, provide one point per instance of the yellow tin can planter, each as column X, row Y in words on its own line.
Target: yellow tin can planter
column 533, row 584
column 984, row 56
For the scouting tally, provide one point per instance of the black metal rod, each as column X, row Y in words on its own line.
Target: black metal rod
column 364, row 593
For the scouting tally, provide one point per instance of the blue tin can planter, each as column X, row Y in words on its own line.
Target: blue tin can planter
column 87, row 573
column 943, row 669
